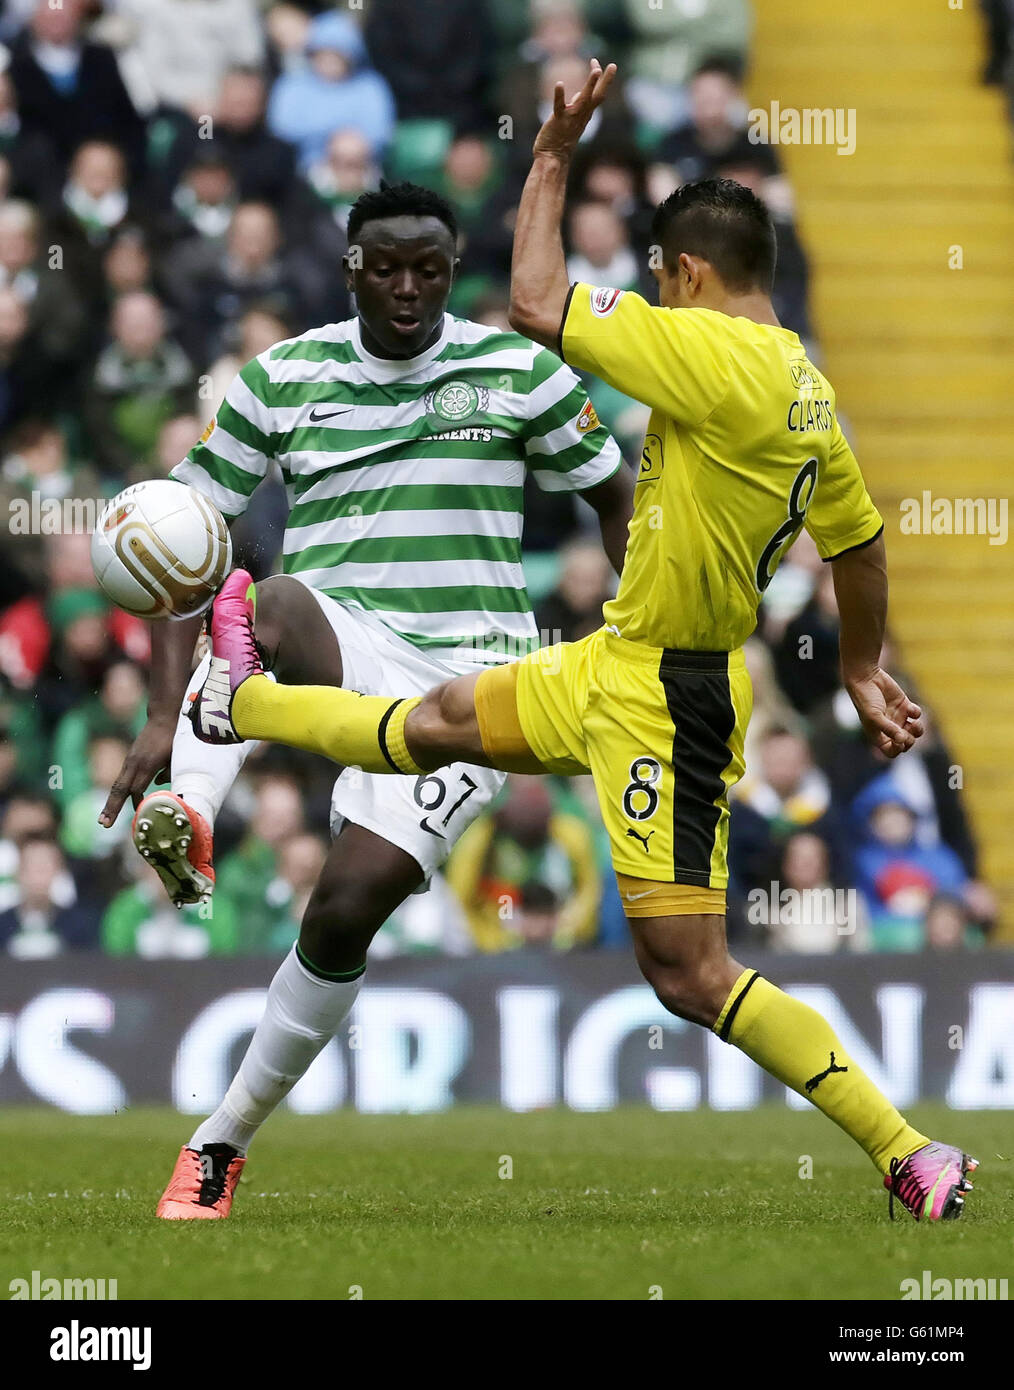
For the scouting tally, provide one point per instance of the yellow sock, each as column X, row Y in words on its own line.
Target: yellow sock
column 366, row 731
column 795, row 1044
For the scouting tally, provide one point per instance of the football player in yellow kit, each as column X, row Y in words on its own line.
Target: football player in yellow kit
column 743, row 450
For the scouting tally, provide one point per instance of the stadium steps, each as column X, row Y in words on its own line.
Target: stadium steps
column 920, row 354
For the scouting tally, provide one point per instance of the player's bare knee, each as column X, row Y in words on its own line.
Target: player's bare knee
column 695, row 992
column 340, row 919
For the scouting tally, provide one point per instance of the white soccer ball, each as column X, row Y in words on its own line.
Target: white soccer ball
column 161, row 550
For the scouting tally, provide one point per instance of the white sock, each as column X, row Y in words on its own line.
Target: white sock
column 202, row 773
column 302, row 1015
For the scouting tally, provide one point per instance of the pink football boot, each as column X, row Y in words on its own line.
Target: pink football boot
column 930, row 1182
column 234, row 659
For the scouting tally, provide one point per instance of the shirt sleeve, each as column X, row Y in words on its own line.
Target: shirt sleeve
column 233, row 454
column 672, row 360
column 841, row 515
column 567, row 447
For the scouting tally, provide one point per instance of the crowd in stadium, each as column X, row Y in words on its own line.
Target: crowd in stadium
column 175, row 180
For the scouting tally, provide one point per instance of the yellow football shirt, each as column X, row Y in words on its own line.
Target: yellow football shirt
column 743, row 449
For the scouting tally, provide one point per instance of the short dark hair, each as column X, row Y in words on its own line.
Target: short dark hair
column 722, row 64
column 400, row 200
column 725, row 223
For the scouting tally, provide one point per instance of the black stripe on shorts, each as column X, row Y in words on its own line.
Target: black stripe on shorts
column 698, row 697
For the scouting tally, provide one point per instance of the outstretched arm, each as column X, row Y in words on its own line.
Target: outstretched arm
column 172, row 652
column 892, row 721
column 539, row 283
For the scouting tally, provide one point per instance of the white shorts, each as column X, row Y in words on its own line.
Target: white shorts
column 424, row 816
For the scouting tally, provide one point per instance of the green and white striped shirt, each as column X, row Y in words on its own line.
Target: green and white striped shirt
column 405, row 478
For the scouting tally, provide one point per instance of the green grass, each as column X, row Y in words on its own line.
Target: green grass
column 599, row 1207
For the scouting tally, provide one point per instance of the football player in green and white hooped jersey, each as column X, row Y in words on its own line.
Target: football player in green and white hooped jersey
column 403, row 437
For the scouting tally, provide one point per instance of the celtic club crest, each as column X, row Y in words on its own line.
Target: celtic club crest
column 456, row 401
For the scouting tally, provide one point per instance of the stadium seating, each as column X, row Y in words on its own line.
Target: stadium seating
column 919, row 351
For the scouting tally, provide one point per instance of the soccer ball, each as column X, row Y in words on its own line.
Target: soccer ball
column 161, row 550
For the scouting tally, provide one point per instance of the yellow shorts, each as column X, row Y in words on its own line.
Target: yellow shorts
column 661, row 732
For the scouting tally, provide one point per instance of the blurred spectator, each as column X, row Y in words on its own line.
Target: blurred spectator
column 574, row 607
column 670, row 43
column 526, row 842
column 117, row 711
column 346, row 169
column 806, row 657
column 600, row 252
column 263, row 165
column 336, row 90
column 77, row 653
column 38, row 927
column 896, row 875
column 471, row 180
column 814, row 916
column 715, row 129
column 27, row 815
column 94, row 206
column 300, row 861
column 24, row 378
column 141, row 379
column 175, row 440
column 36, row 465
column 57, row 332
column 947, row 926
column 127, row 265
column 771, row 710
column 446, row 37
column 557, row 29
column 260, row 165
column 248, row 872
column 33, row 168
column 617, row 175
column 212, row 284
column 259, row 329
column 176, row 52
column 204, row 200
column 95, row 198
column 141, row 921
column 80, row 834
column 786, row 794
column 70, row 89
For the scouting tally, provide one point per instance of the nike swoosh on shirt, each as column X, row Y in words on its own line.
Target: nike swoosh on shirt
column 315, row 418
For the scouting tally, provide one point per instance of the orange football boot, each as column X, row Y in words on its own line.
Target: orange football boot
column 176, row 841
column 202, row 1185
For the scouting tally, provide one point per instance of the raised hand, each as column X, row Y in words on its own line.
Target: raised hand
column 561, row 133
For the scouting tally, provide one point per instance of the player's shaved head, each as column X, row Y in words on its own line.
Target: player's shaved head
column 723, row 223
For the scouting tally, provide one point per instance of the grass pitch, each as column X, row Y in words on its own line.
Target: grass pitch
column 612, row 1206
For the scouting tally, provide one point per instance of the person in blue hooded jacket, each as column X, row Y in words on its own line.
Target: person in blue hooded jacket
column 897, row 874
column 336, row 90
